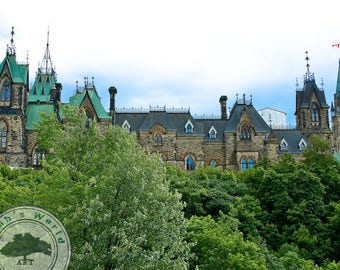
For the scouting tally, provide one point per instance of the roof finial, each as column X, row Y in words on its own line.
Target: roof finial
column 321, row 83
column 11, row 49
column 297, row 83
column 309, row 76
column 47, row 65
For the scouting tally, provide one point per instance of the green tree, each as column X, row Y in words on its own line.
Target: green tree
column 112, row 197
column 220, row 245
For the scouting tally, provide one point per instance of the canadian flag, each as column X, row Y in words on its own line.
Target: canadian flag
column 336, row 45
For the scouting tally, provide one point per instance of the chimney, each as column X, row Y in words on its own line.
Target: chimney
column 223, row 103
column 113, row 92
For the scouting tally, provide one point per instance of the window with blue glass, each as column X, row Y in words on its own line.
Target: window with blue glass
column 212, row 133
column 189, row 127
column 213, row 164
column 6, row 92
column 315, row 112
column 247, row 163
column 190, row 163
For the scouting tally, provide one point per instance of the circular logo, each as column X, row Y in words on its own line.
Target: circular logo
column 32, row 238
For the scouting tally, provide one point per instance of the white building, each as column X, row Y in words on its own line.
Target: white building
column 274, row 118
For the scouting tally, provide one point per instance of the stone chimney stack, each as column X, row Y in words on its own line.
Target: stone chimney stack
column 113, row 92
column 223, row 103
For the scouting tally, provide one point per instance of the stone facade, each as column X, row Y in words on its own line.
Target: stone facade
column 236, row 141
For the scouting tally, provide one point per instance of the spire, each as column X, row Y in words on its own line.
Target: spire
column 11, row 49
column 309, row 76
column 46, row 66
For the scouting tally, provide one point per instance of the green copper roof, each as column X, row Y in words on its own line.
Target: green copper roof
column 19, row 72
column 337, row 90
column 79, row 97
column 34, row 112
column 42, row 87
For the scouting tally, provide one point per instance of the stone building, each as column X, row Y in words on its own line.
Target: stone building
column 236, row 140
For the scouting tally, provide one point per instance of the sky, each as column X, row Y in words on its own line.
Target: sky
column 180, row 53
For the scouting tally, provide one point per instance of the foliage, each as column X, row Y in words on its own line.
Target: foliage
column 112, row 197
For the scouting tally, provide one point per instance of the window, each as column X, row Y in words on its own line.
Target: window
column 126, row 126
column 6, row 92
column 157, row 138
column 245, row 132
column 247, row 163
column 3, row 136
column 213, row 164
column 189, row 128
column 189, row 163
column 283, row 145
column 212, row 133
column 38, row 156
column 302, row 145
column 315, row 112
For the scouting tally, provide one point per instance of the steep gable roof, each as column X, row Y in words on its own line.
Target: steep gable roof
column 18, row 72
column 235, row 116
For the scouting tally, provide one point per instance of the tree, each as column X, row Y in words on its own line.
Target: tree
column 113, row 197
column 24, row 245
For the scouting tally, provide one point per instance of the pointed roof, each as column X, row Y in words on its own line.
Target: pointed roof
column 303, row 97
column 45, row 79
column 337, row 90
column 18, row 71
column 89, row 91
column 241, row 106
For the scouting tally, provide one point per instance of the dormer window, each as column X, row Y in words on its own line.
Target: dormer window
column 302, row 144
column 245, row 132
column 126, row 126
column 283, row 145
column 189, row 127
column 212, row 133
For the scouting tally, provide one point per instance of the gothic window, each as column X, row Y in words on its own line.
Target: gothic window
column 126, row 126
column 38, row 156
column 3, row 136
column 89, row 118
column 244, row 164
column 189, row 163
column 189, row 128
column 213, row 164
column 157, row 138
column 251, row 163
column 212, row 133
column 245, row 132
column 6, row 92
column 283, row 145
column 315, row 112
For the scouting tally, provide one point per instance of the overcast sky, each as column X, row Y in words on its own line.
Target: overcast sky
column 180, row 53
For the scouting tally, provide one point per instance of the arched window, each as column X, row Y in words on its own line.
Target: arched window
column 38, row 156
column 3, row 136
column 212, row 133
column 6, row 91
column 89, row 118
column 190, row 163
column 251, row 163
column 245, row 132
column 157, row 138
column 213, row 164
column 315, row 112
column 244, row 164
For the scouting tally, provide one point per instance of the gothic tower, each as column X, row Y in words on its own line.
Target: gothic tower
column 13, row 99
column 311, row 108
column 336, row 115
